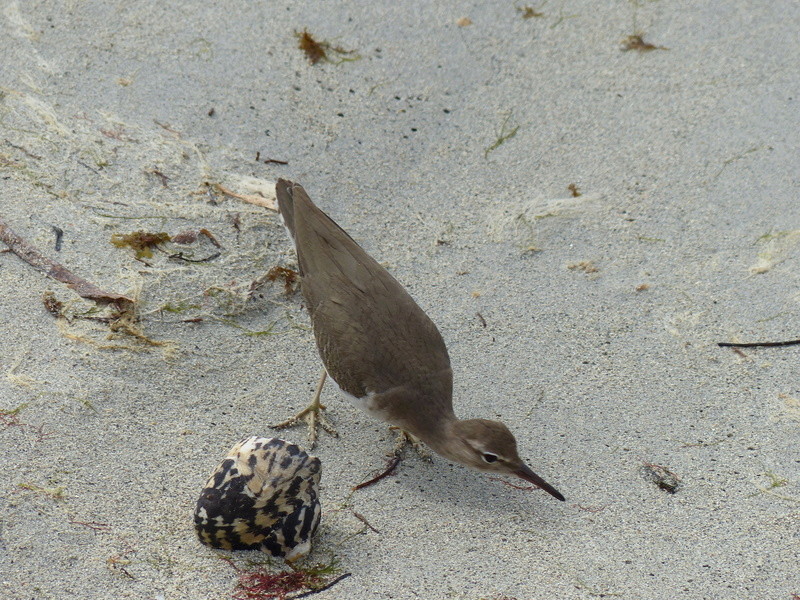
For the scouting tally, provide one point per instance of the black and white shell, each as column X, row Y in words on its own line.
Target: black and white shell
column 264, row 496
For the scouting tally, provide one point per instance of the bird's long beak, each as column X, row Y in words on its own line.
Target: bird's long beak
column 528, row 475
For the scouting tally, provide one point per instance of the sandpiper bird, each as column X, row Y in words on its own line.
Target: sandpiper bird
column 381, row 349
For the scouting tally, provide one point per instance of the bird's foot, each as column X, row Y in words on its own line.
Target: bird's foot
column 405, row 439
column 313, row 417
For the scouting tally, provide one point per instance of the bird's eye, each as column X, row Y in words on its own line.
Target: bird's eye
column 489, row 457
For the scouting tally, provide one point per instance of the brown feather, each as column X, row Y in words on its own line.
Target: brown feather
column 370, row 333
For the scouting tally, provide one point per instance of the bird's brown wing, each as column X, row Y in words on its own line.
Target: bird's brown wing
column 371, row 334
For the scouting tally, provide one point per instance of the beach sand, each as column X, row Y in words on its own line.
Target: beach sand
column 453, row 153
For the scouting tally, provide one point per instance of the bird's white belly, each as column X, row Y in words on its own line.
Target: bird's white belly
column 366, row 404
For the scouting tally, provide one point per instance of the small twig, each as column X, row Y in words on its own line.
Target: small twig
column 180, row 256
column 24, row 151
column 482, row 320
column 59, row 236
column 257, row 200
column 275, row 161
column 81, row 286
column 10, row 418
column 388, row 471
column 92, row 525
column 126, row 572
column 118, row 134
column 363, row 519
column 328, row 585
column 758, row 344
column 166, row 127
column 93, row 170
column 41, row 434
column 164, row 179
column 116, row 562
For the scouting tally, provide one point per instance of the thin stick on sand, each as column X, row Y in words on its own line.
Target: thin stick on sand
column 758, row 344
column 82, row 287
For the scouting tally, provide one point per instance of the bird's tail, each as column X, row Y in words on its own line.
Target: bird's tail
column 283, row 190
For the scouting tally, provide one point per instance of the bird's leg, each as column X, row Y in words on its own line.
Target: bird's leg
column 312, row 415
column 405, row 439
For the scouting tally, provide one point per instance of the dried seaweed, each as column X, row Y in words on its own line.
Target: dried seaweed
column 289, row 277
column 505, row 133
column 190, row 237
column 260, row 584
column 55, row 493
column 636, row 42
column 142, row 242
column 53, row 305
column 662, row 477
column 317, row 50
column 528, row 12
column 390, row 467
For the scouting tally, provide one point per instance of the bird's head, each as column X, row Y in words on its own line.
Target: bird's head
column 490, row 446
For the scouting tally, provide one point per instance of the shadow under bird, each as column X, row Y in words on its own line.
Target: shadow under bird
column 381, row 349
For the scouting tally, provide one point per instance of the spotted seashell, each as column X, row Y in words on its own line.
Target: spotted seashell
column 262, row 497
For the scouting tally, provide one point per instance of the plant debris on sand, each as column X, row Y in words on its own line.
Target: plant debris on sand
column 636, row 42
column 289, row 277
column 317, row 50
column 260, row 584
column 142, row 242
